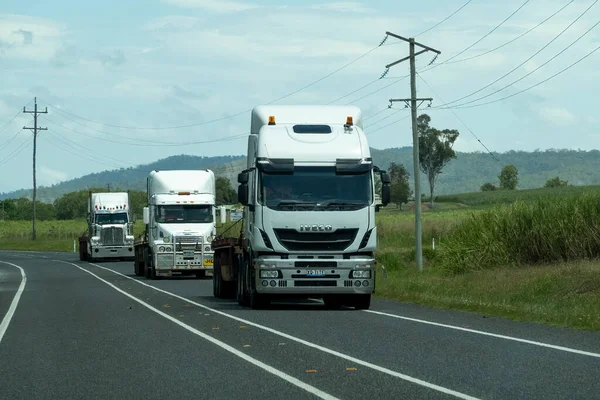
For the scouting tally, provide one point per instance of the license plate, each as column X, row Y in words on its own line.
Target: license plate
column 208, row 263
column 188, row 253
column 315, row 272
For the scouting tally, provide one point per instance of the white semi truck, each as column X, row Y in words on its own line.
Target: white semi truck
column 180, row 224
column 110, row 228
column 309, row 217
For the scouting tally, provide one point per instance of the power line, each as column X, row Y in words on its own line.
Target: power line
column 143, row 143
column 533, row 86
column 425, row 69
column 512, row 40
column 276, row 100
column 3, row 145
column 484, row 36
column 16, row 152
column 463, row 122
column 444, row 20
column 524, row 62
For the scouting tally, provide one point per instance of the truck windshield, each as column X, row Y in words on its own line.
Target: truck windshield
column 184, row 214
column 108, row 219
column 315, row 188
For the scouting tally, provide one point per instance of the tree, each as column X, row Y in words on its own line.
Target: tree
column 555, row 182
column 488, row 187
column 509, row 177
column 225, row 192
column 435, row 149
column 400, row 186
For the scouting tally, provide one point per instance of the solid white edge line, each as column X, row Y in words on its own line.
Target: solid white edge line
column 496, row 335
column 280, row 374
column 306, row 343
column 15, row 300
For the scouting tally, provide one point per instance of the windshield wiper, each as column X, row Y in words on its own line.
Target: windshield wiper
column 342, row 203
column 295, row 203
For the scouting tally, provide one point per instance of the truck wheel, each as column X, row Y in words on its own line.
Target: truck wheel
column 242, row 279
column 217, row 278
column 333, row 302
column 361, row 301
column 259, row 301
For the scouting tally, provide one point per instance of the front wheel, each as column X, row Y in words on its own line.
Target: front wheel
column 361, row 301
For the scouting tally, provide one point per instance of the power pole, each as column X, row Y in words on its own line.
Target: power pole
column 413, row 110
column 108, row 186
column 35, row 130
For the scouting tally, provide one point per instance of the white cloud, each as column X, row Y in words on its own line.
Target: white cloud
column 172, row 22
column 30, row 38
column 49, row 176
column 557, row 115
column 220, row 6
column 343, row 6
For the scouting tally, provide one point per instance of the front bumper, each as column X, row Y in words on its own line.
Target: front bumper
column 113, row 251
column 301, row 276
column 178, row 262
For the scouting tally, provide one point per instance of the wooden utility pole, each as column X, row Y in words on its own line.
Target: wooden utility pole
column 35, row 130
column 413, row 110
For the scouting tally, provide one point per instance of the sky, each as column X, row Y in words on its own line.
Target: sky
column 130, row 82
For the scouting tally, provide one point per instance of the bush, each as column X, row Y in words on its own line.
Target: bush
column 552, row 229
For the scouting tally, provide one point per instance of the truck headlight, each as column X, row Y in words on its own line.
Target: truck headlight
column 361, row 274
column 269, row 274
column 161, row 248
column 166, row 239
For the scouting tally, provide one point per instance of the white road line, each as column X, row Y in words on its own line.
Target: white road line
column 15, row 301
column 224, row 346
column 515, row 339
column 304, row 342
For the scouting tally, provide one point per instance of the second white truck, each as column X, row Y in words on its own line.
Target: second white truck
column 180, row 224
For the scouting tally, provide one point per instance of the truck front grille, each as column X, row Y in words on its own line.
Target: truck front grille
column 316, row 241
column 188, row 243
column 112, row 236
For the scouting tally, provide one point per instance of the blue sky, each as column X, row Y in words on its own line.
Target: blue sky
column 166, row 63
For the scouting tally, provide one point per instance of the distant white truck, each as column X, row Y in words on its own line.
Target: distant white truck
column 110, row 228
column 180, row 224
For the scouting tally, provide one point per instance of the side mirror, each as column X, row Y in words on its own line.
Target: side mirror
column 146, row 215
column 243, row 194
column 385, row 178
column 385, row 194
column 243, row 178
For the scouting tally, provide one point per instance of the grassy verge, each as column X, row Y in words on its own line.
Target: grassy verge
column 566, row 294
column 535, row 261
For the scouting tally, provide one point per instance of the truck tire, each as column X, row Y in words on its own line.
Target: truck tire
column 361, row 301
column 242, row 279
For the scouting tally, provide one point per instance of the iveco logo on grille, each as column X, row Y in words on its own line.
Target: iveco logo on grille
column 316, row 228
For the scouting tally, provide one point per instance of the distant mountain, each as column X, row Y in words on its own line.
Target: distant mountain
column 464, row 174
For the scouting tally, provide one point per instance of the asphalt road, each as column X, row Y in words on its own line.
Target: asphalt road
column 77, row 330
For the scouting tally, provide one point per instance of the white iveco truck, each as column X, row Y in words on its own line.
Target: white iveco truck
column 180, row 224
column 110, row 230
column 309, row 224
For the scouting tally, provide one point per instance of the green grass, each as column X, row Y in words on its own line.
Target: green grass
column 536, row 260
column 510, row 196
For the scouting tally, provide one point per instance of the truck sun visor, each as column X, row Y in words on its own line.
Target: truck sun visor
column 275, row 164
column 353, row 165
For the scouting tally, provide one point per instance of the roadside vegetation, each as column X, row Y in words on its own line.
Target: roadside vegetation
column 522, row 254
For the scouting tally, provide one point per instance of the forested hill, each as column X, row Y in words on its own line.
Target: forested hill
column 464, row 174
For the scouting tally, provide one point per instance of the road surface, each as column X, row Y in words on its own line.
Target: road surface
column 71, row 329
